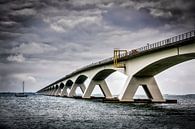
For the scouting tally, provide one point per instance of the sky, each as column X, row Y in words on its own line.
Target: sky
column 43, row 40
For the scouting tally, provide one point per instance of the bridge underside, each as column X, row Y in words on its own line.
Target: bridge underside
column 161, row 65
column 140, row 70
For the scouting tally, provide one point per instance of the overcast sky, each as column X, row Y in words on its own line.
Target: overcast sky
column 43, row 40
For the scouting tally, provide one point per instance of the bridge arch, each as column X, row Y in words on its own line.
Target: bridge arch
column 145, row 76
column 61, row 85
column 163, row 64
column 103, row 74
column 140, row 67
column 53, row 90
column 69, row 83
column 81, row 79
column 79, row 82
column 99, row 79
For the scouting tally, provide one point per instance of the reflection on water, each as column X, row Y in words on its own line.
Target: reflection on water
column 44, row 112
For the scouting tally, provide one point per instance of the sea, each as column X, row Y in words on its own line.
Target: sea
column 47, row 112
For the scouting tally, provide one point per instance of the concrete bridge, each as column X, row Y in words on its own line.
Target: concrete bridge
column 140, row 65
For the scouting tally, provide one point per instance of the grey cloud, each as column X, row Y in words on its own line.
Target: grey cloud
column 16, row 58
column 178, row 10
column 57, row 36
column 130, row 19
column 33, row 48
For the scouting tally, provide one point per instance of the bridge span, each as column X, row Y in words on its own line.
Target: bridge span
column 140, row 65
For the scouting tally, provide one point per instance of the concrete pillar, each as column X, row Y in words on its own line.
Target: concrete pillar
column 47, row 93
column 57, row 90
column 50, row 91
column 149, row 85
column 83, row 87
column 57, row 93
column 64, row 91
column 74, row 87
column 103, row 86
column 53, row 91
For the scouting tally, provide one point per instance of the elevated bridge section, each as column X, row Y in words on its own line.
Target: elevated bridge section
column 140, row 65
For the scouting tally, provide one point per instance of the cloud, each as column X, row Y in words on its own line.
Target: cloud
column 16, row 58
column 8, row 23
column 33, row 48
column 31, row 79
column 65, row 24
column 53, row 38
column 14, row 82
column 24, row 12
column 160, row 13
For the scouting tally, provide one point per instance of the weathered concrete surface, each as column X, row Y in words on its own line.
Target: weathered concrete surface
column 140, row 69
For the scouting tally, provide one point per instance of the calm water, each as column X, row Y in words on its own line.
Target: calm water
column 44, row 112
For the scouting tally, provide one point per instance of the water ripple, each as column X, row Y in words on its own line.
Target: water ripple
column 44, row 112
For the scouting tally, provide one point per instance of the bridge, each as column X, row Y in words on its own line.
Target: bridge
column 140, row 65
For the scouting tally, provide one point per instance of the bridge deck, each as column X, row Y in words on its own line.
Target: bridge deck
column 176, row 41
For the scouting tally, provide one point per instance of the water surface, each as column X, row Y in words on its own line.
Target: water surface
column 46, row 112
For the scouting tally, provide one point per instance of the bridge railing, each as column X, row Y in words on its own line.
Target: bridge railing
column 155, row 45
column 171, row 40
column 162, row 43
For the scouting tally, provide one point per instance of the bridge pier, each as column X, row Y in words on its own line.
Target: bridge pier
column 141, row 65
column 47, row 92
column 53, row 92
column 64, row 91
column 149, row 85
column 50, row 92
column 58, row 90
column 74, row 87
column 103, row 86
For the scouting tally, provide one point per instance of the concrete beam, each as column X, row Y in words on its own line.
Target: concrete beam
column 102, row 84
column 74, row 87
column 50, row 92
column 53, row 92
column 58, row 90
column 149, row 84
column 64, row 91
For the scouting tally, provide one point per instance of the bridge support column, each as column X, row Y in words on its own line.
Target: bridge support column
column 50, row 92
column 53, row 92
column 64, row 91
column 103, row 86
column 57, row 93
column 47, row 93
column 149, row 85
column 74, row 87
